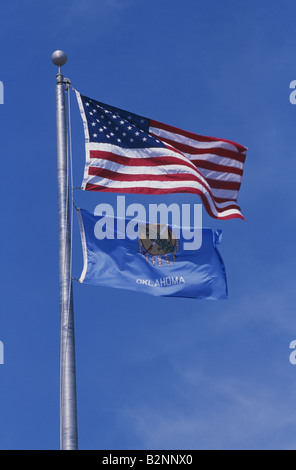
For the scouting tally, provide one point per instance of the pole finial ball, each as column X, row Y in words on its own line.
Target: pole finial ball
column 59, row 58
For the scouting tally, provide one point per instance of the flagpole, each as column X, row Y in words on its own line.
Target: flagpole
column 68, row 402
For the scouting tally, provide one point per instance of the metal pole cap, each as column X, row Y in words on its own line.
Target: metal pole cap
column 59, row 58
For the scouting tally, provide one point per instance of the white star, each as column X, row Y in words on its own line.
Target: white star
column 101, row 130
column 144, row 139
column 129, row 128
column 137, row 133
column 95, row 135
column 121, row 122
column 93, row 123
column 118, row 140
column 131, row 140
column 86, row 104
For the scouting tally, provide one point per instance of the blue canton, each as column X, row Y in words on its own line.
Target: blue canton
column 107, row 124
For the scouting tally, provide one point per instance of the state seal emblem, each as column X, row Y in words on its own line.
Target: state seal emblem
column 158, row 241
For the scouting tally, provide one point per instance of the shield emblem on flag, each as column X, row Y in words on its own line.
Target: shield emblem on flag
column 158, row 241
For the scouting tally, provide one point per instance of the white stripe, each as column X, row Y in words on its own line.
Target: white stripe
column 145, row 183
column 220, row 176
column 209, row 157
column 225, row 193
column 223, row 205
column 149, row 170
column 191, row 142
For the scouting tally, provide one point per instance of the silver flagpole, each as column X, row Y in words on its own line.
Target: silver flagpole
column 68, row 404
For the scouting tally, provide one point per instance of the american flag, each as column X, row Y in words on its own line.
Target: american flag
column 128, row 153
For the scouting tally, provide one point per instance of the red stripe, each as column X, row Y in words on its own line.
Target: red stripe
column 206, row 165
column 221, row 184
column 222, row 199
column 135, row 190
column 191, row 135
column 114, row 175
column 126, row 161
column 221, row 152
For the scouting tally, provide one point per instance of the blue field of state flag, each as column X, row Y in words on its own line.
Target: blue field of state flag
column 154, row 263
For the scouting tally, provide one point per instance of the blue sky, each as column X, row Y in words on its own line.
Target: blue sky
column 152, row 373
